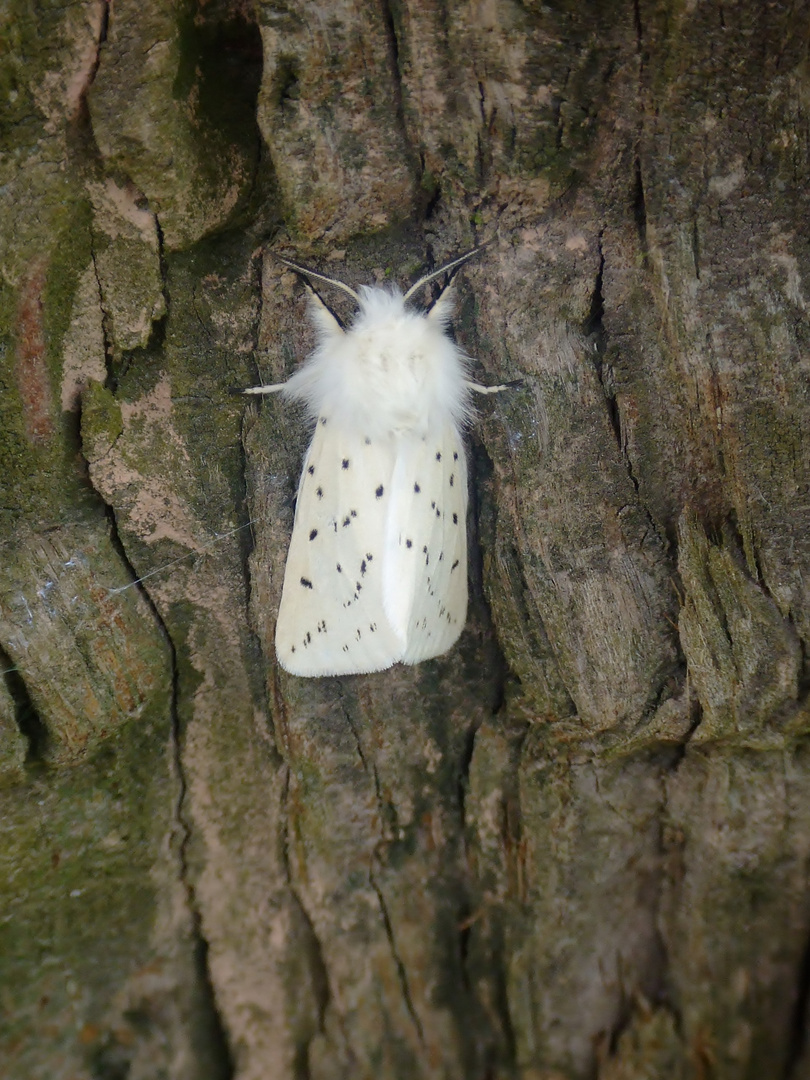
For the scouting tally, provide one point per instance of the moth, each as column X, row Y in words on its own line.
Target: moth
column 376, row 570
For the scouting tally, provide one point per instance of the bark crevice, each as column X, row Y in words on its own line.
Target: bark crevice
column 798, row 1026
column 209, row 1018
column 30, row 724
column 640, row 208
column 316, row 959
column 399, row 964
column 105, row 319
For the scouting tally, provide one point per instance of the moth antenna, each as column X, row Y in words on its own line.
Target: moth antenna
column 305, row 272
column 447, row 268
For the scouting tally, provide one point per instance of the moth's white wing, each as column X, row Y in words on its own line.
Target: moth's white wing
column 425, row 576
column 377, row 566
column 440, row 603
column 331, row 618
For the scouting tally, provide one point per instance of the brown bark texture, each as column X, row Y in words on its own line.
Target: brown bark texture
column 577, row 845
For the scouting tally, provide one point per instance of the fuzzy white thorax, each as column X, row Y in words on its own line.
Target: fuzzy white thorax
column 394, row 372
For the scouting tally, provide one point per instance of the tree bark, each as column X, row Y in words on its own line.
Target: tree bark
column 577, row 844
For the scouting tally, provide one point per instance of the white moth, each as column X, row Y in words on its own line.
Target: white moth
column 377, row 566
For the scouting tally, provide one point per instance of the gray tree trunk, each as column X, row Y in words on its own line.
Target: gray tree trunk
column 577, row 845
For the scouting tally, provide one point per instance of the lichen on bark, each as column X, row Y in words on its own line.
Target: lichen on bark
column 574, row 846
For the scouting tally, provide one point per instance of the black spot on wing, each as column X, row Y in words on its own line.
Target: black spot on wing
column 311, row 470
column 455, row 519
column 319, row 492
column 306, row 583
column 416, row 488
column 313, row 534
column 438, row 455
column 379, row 492
column 345, row 463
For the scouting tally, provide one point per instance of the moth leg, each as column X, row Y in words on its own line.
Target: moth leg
column 321, row 315
column 479, row 389
column 270, row 388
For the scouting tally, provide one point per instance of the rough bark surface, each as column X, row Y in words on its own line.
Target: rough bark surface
column 575, row 846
